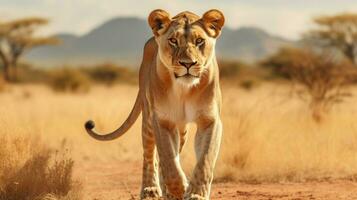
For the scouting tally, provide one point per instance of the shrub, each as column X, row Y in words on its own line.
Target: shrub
column 74, row 78
column 280, row 62
column 29, row 170
column 69, row 80
column 247, row 84
column 109, row 74
column 27, row 73
column 230, row 68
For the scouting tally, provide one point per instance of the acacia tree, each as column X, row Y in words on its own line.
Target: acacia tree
column 16, row 38
column 339, row 32
column 323, row 80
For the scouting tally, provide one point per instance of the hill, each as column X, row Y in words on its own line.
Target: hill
column 121, row 40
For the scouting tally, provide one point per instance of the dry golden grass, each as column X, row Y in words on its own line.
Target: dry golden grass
column 29, row 170
column 271, row 137
column 268, row 136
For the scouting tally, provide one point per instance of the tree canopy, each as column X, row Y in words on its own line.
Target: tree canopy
column 17, row 37
column 338, row 31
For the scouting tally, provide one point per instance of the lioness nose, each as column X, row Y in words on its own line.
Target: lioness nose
column 188, row 65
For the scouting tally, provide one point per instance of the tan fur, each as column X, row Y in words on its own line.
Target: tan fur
column 179, row 84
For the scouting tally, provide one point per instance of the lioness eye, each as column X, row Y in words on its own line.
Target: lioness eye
column 199, row 41
column 173, row 41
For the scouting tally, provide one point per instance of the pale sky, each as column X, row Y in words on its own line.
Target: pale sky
column 287, row 18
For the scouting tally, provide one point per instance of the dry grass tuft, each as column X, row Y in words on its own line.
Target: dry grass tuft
column 31, row 171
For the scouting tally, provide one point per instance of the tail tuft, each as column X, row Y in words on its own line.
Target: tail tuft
column 89, row 125
column 133, row 116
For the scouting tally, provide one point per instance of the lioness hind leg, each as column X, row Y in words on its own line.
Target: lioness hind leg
column 150, row 183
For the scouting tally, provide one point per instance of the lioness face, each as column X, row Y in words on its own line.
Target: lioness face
column 185, row 50
column 186, row 42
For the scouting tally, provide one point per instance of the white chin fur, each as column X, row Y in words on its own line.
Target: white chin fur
column 188, row 81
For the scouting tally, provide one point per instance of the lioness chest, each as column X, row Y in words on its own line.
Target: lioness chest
column 177, row 107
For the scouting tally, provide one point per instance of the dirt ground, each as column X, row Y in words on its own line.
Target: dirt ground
column 121, row 180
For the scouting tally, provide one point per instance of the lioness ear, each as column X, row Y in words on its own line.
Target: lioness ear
column 213, row 21
column 159, row 21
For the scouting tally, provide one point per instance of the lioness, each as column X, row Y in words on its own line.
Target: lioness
column 178, row 84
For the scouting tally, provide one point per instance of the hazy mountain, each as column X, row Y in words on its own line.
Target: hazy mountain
column 121, row 40
column 248, row 43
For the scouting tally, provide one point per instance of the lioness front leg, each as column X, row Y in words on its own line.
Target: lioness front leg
column 168, row 146
column 207, row 143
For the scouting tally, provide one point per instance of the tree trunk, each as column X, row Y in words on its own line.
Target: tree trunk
column 351, row 54
column 6, row 72
column 6, row 66
column 14, row 67
column 354, row 59
column 318, row 109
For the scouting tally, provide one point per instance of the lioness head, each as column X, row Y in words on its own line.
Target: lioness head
column 186, row 42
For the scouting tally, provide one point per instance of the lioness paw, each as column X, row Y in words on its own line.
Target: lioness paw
column 171, row 197
column 150, row 193
column 195, row 197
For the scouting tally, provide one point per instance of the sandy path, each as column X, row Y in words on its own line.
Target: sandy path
column 121, row 180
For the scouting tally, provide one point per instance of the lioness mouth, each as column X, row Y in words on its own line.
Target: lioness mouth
column 187, row 75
